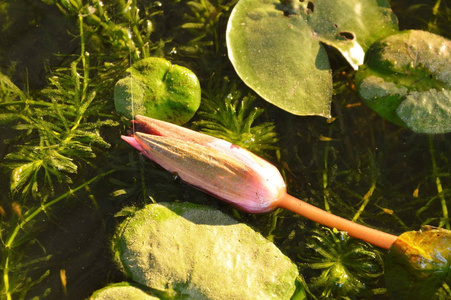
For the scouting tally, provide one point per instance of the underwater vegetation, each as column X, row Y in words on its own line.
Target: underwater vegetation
column 68, row 179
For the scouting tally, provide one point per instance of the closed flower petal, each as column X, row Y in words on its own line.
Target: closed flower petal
column 218, row 167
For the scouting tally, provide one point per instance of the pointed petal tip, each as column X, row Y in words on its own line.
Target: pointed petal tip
column 127, row 138
column 132, row 142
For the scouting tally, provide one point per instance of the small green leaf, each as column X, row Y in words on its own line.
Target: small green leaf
column 22, row 174
column 155, row 88
column 418, row 263
column 59, row 163
column 407, row 80
column 8, row 90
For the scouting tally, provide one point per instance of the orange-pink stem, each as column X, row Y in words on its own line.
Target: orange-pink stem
column 370, row 235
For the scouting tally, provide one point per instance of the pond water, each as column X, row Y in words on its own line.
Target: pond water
column 68, row 180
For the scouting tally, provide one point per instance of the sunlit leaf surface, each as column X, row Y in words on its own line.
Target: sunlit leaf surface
column 407, row 80
column 419, row 263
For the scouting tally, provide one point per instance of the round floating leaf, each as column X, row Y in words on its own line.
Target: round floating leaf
column 277, row 57
column 158, row 89
column 195, row 252
column 418, row 264
column 276, row 47
column 407, row 80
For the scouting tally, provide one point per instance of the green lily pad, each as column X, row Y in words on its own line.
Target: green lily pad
column 407, row 80
column 418, row 264
column 158, row 89
column 276, row 47
column 196, row 252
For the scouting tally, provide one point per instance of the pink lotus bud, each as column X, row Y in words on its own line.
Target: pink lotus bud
column 215, row 166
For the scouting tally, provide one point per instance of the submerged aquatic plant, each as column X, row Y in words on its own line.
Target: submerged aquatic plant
column 227, row 114
column 202, row 25
column 58, row 131
column 347, row 266
column 14, row 271
column 116, row 26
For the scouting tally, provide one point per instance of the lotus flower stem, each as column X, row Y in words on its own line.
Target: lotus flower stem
column 313, row 213
column 233, row 174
